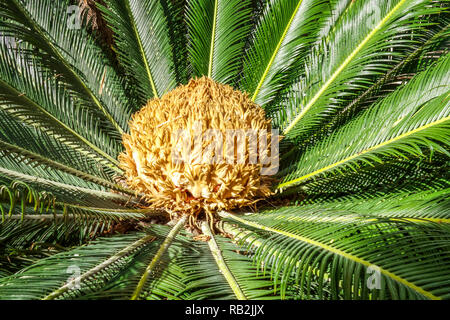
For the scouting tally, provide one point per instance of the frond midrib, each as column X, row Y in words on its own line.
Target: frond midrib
column 101, row 194
column 158, row 256
column 374, row 87
column 213, row 40
column 105, row 264
column 141, row 49
column 35, row 157
column 221, row 263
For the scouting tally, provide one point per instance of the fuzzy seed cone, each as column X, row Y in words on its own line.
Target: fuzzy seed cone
column 193, row 185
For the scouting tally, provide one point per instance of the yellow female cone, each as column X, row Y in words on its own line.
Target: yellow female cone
column 195, row 182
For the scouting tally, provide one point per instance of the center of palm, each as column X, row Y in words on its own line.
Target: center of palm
column 198, row 150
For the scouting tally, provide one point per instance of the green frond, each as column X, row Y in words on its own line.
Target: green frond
column 430, row 205
column 238, row 277
column 30, row 158
column 158, row 256
column 217, row 30
column 339, row 252
column 142, row 37
column 106, row 264
column 359, row 91
column 11, row 169
column 284, row 33
column 50, row 277
column 177, row 271
column 108, row 268
column 349, row 62
column 423, row 205
column 29, row 95
column 91, row 81
column 194, row 274
column 69, row 192
column 430, row 46
column 19, row 196
column 175, row 11
column 164, row 281
column 389, row 177
column 34, row 220
column 30, row 139
column 221, row 263
column 421, row 122
column 338, row 9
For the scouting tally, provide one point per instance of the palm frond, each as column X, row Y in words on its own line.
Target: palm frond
column 420, row 205
column 48, row 277
column 33, row 159
column 237, row 269
column 359, row 90
column 33, row 219
column 28, row 94
column 338, row 9
column 429, row 48
column 421, row 122
column 142, row 37
column 347, row 63
column 175, row 11
column 285, row 31
column 69, row 192
column 164, row 281
column 113, row 271
column 158, row 256
column 106, row 264
column 339, row 251
column 428, row 205
column 217, row 30
column 30, row 139
column 388, row 177
column 90, row 80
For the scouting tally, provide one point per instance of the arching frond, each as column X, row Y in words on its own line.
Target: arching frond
column 158, row 256
column 29, row 95
column 21, row 155
column 69, row 192
column 91, row 80
column 421, row 122
column 369, row 38
column 340, row 251
column 389, row 177
column 48, row 277
column 35, row 222
column 430, row 47
column 359, row 90
column 27, row 138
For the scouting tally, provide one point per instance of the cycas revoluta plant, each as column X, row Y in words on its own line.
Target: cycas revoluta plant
column 359, row 91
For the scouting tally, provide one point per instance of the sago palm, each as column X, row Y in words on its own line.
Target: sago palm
column 93, row 206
